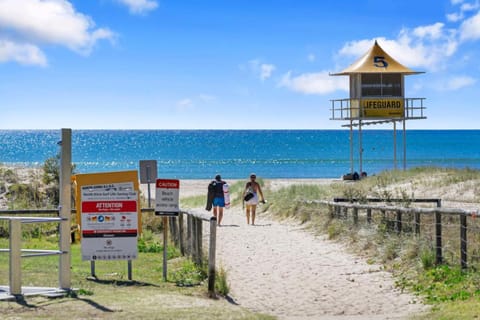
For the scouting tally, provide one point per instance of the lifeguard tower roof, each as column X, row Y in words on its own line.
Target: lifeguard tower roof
column 383, row 63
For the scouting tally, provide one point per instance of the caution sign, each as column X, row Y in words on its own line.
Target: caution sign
column 167, row 197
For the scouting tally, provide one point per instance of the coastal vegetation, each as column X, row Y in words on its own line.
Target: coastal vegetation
column 453, row 292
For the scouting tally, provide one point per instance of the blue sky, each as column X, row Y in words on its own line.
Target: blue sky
column 250, row 64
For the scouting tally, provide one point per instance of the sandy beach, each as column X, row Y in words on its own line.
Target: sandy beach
column 278, row 268
column 281, row 269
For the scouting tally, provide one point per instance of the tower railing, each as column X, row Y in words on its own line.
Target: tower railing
column 350, row 109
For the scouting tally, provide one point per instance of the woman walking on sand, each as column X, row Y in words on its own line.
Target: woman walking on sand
column 250, row 196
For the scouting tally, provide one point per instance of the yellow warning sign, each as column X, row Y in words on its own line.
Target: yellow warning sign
column 383, row 108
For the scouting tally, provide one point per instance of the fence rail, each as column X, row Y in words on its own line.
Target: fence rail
column 187, row 235
column 409, row 220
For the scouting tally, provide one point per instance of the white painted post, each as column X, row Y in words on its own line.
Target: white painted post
column 15, row 257
column 64, row 277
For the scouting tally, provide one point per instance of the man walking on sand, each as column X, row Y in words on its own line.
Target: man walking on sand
column 250, row 196
column 216, row 198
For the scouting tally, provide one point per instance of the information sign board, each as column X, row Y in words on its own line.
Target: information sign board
column 109, row 221
column 167, row 197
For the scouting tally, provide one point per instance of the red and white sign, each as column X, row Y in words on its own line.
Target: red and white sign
column 109, row 222
column 167, row 196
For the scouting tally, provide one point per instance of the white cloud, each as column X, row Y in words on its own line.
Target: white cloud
column 139, row 6
column 434, row 31
column 266, row 71
column 470, row 28
column 185, row 104
column 25, row 54
column 28, row 24
column 50, row 21
column 206, row 97
column 314, row 83
column 311, row 57
column 454, row 17
column 427, row 46
column 189, row 103
column 263, row 70
column 459, row 82
column 465, row 7
column 469, row 6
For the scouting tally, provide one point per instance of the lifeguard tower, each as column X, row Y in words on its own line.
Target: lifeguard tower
column 377, row 96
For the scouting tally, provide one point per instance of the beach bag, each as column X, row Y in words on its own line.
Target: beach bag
column 249, row 195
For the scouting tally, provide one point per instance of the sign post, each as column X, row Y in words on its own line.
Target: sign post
column 166, row 205
column 148, row 174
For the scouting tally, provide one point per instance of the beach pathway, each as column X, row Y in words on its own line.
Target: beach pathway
column 282, row 270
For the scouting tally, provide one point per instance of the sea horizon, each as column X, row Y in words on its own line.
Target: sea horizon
column 271, row 153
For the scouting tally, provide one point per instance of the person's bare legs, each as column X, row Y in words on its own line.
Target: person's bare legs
column 220, row 215
column 253, row 209
column 215, row 213
column 247, row 211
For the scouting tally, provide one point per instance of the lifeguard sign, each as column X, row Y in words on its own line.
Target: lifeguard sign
column 377, row 96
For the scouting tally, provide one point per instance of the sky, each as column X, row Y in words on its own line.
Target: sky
column 226, row 64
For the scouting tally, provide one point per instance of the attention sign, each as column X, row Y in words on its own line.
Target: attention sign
column 109, row 219
column 167, row 196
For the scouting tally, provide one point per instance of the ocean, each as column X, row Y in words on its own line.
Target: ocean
column 200, row 154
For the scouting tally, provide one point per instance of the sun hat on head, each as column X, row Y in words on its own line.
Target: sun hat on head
column 218, row 177
column 253, row 175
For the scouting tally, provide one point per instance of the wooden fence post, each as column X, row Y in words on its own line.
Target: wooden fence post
column 463, row 241
column 194, row 240
column 189, row 235
column 331, row 211
column 398, row 224
column 198, row 240
column 369, row 215
column 211, row 256
column 355, row 216
column 438, row 237
column 345, row 213
column 417, row 222
column 181, row 234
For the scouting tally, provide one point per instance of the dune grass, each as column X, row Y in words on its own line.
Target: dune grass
column 453, row 293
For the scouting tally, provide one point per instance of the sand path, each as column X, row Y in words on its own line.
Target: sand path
column 282, row 270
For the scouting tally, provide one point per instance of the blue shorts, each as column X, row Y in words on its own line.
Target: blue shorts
column 219, row 202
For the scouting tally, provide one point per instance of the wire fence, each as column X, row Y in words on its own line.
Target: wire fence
column 452, row 234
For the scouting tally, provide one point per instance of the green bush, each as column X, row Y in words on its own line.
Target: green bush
column 10, row 176
column 24, row 196
column 188, row 275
